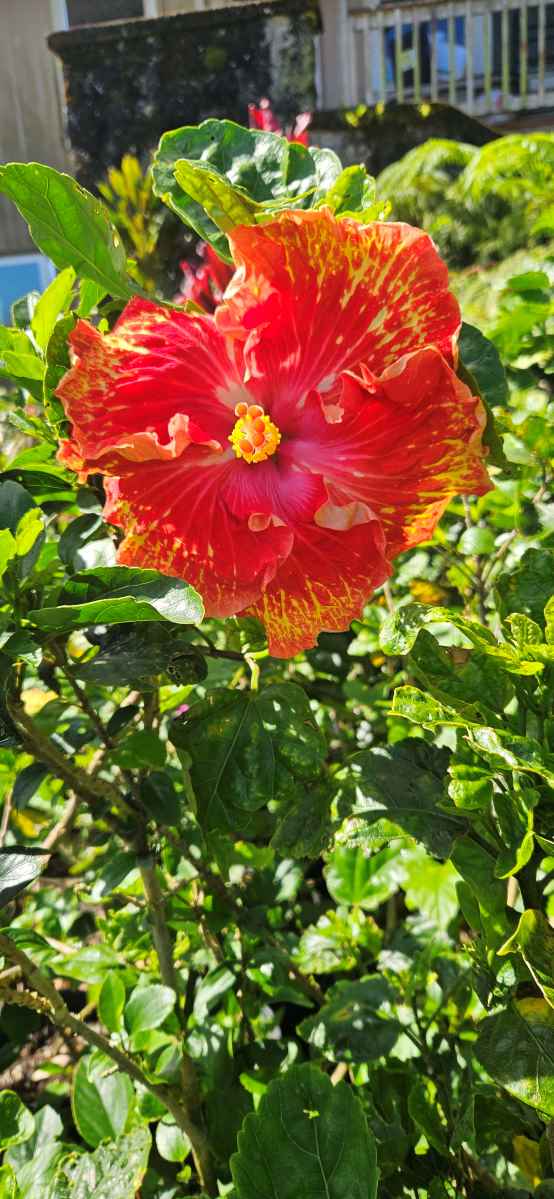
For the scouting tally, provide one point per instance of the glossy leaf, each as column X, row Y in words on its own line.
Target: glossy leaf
column 111, row 1002
column 68, row 224
column 355, row 877
column 100, row 1100
column 148, row 1007
column 264, row 166
column 481, row 365
column 516, row 1048
column 16, row 1121
column 307, row 1138
column 17, row 870
column 118, row 595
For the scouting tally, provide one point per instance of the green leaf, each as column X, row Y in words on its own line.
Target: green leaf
column 7, row 549
column 224, row 204
column 264, row 167
column 354, row 877
column 52, row 303
column 477, row 866
column 113, row 1171
column 16, row 1121
column 111, row 1002
column 474, row 688
column 18, row 354
column 481, row 368
column 514, row 813
column 307, row 1138
column 355, row 1024
column 534, row 939
column 143, row 748
column 476, row 541
column 17, row 870
column 399, row 630
column 422, row 1106
column 240, row 742
column 420, row 708
column 517, row 1049
column 148, row 1007
column 27, row 784
column 507, row 751
column 8, row 1184
column 430, row 887
column 100, row 1100
column 171, row 1142
column 117, row 595
column 529, row 587
column 353, row 194
column 68, row 224
column 337, row 941
column 89, row 964
column 406, row 784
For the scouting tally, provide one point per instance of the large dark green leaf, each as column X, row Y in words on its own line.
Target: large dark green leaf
column 307, row 1138
column 245, row 746
column 404, row 783
column 117, row 595
column 68, row 224
column 481, row 368
column 16, row 1121
column 264, row 167
column 517, row 1049
column 355, row 1023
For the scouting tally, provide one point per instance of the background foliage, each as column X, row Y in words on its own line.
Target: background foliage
column 283, row 925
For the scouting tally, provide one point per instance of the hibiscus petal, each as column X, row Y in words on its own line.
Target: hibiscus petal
column 274, row 488
column 175, row 521
column 321, row 586
column 314, row 295
column 160, row 379
column 408, row 442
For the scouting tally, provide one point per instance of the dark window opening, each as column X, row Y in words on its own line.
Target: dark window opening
column 92, row 12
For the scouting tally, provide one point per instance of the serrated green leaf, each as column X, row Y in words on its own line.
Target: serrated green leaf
column 307, row 1138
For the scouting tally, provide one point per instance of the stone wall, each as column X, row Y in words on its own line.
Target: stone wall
column 128, row 82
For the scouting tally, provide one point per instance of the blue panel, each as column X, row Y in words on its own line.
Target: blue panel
column 18, row 276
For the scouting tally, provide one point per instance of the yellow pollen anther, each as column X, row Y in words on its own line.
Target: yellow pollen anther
column 254, row 437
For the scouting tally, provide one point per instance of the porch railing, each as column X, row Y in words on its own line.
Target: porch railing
column 484, row 56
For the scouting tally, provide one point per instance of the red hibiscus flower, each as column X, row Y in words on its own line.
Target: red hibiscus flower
column 281, row 452
column 261, row 116
column 205, row 283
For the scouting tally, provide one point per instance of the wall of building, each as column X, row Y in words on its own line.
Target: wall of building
column 31, row 124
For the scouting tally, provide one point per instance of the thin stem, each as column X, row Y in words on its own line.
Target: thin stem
column 6, row 813
column 160, row 930
column 81, row 695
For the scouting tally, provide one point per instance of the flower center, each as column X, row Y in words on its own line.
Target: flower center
column 254, row 436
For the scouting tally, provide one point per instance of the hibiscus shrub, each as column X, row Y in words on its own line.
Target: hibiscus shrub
column 277, row 663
